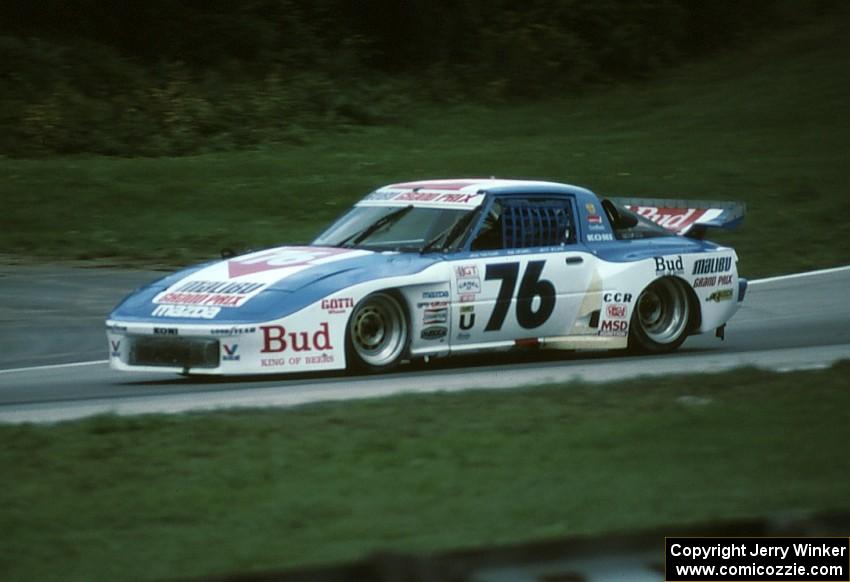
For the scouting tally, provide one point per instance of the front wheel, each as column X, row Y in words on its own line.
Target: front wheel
column 661, row 317
column 378, row 333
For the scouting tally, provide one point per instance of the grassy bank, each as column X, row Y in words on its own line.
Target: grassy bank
column 768, row 126
column 171, row 496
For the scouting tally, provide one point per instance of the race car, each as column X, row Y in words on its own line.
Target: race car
column 440, row 267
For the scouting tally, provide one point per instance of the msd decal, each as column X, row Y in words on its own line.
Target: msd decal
column 276, row 339
column 615, row 328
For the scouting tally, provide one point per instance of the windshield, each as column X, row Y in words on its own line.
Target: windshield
column 394, row 228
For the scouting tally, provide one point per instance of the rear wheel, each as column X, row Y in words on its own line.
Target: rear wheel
column 661, row 317
column 378, row 333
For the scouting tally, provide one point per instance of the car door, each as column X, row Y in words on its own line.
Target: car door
column 522, row 277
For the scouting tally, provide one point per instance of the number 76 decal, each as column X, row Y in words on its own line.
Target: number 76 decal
column 531, row 286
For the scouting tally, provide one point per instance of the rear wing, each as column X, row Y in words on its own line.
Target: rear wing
column 686, row 217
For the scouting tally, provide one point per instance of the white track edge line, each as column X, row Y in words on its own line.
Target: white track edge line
column 54, row 366
column 753, row 282
column 799, row 275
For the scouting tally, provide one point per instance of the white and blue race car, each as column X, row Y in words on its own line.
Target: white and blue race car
column 442, row 267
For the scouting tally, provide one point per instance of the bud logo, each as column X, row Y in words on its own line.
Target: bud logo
column 669, row 266
column 116, row 348
column 675, row 219
column 618, row 328
column 277, row 339
column 615, row 310
column 230, row 352
column 713, row 265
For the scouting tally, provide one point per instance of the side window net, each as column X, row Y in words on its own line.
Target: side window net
column 533, row 223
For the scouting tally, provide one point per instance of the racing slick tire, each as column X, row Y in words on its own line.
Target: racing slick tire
column 661, row 318
column 378, row 333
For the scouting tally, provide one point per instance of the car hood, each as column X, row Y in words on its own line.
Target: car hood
column 263, row 285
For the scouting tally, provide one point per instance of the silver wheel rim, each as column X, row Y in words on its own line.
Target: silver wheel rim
column 378, row 330
column 663, row 311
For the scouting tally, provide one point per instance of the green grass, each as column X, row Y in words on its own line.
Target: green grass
column 203, row 494
column 769, row 125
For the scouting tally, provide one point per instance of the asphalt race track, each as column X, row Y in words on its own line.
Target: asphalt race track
column 53, row 351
